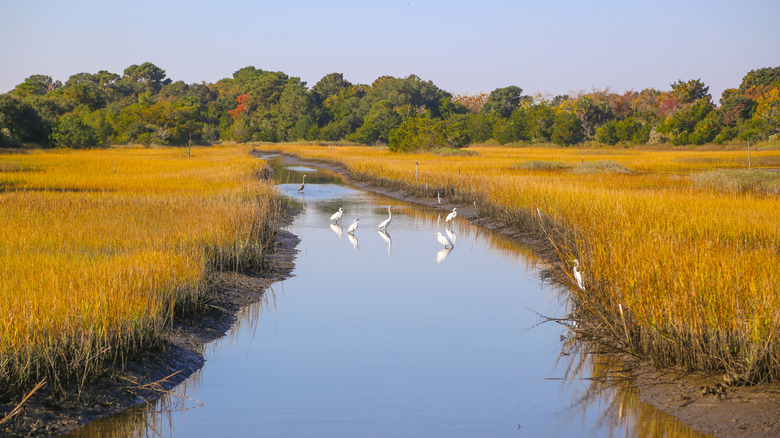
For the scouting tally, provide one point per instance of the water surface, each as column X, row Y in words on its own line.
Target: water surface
column 390, row 335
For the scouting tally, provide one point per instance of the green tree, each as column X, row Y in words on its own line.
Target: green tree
column 567, row 129
column 36, row 85
column 690, row 91
column 379, row 123
column 418, row 132
column 330, row 85
column 71, row 132
column 503, row 101
column 20, row 123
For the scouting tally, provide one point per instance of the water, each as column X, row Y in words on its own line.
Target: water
column 389, row 335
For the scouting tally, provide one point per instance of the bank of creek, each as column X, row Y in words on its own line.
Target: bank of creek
column 391, row 334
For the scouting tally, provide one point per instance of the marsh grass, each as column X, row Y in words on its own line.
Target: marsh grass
column 99, row 250
column 678, row 275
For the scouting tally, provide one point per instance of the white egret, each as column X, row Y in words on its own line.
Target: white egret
column 444, row 240
column 337, row 215
column 578, row 275
column 353, row 227
column 438, row 198
column 386, row 222
column 452, row 215
column 337, row 229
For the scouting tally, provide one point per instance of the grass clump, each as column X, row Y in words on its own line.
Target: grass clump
column 542, row 165
column 737, row 181
column 600, row 166
column 452, row 152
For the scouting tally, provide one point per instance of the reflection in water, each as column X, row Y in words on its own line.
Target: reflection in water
column 386, row 237
column 611, row 391
column 451, row 235
column 353, row 240
column 441, row 255
column 337, row 229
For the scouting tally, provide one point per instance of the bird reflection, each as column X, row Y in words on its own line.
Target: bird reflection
column 353, row 240
column 386, row 237
column 451, row 234
column 441, row 255
column 337, row 229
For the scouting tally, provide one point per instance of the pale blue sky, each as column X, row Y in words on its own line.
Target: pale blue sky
column 551, row 47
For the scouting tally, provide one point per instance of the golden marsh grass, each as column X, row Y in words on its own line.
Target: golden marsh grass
column 682, row 274
column 98, row 249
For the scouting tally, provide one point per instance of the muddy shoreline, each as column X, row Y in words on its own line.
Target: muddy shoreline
column 707, row 404
column 116, row 390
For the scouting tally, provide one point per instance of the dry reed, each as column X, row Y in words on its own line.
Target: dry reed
column 99, row 250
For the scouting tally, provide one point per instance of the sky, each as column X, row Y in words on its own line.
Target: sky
column 463, row 47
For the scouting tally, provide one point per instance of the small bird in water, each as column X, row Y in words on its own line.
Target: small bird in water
column 578, row 275
column 444, row 240
column 337, row 215
column 386, row 222
column 452, row 215
column 353, row 227
column 303, row 183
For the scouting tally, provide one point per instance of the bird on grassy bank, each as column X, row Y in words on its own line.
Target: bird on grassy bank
column 444, row 240
column 353, row 227
column 578, row 275
column 438, row 197
column 386, row 222
column 337, row 215
column 303, row 183
column 452, row 215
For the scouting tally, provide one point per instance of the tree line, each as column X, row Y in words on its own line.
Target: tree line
column 143, row 106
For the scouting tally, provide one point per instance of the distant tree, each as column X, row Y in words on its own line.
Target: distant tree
column 591, row 114
column 503, row 101
column 295, row 112
column 567, row 129
column 21, row 123
column 418, row 132
column 472, row 102
column 690, row 91
column 329, row 85
column 36, row 85
column 146, row 77
column 760, row 79
column 71, row 132
column 379, row 123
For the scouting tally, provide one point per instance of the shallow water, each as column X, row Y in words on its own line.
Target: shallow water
column 390, row 334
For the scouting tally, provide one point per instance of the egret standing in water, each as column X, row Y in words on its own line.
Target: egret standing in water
column 578, row 275
column 438, row 197
column 452, row 215
column 353, row 227
column 386, row 222
column 444, row 240
column 337, row 215
column 303, row 183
